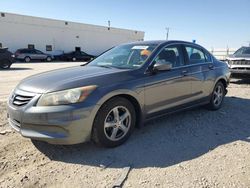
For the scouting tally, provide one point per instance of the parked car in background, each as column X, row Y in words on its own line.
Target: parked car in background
column 75, row 56
column 6, row 58
column 239, row 62
column 28, row 55
column 56, row 54
column 120, row 89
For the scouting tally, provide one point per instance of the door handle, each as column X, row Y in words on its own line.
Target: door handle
column 211, row 67
column 184, row 72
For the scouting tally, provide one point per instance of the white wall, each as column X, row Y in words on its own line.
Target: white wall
column 17, row 31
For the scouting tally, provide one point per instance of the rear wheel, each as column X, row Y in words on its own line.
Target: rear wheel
column 5, row 64
column 114, row 122
column 27, row 59
column 217, row 96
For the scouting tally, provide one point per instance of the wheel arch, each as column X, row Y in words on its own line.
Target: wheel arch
column 131, row 97
column 223, row 80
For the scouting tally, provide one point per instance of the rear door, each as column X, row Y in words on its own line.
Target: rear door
column 166, row 89
column 200, row 71
column 40, row 55
column 28, row 53
column 32, row 53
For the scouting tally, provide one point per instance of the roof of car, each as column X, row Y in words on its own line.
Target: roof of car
column 25, row 49
column 158, row 42
column 4, row 48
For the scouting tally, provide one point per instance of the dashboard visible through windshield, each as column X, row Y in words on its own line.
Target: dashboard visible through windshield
column 130, row 56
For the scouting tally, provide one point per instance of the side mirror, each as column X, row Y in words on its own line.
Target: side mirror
column 162, row 66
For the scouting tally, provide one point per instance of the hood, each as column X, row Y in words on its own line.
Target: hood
column 69, row 78
column 238, row 58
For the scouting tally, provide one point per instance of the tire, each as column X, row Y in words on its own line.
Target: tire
column 48, row 59
column 27, row 59
column 5, row 64
column 109, row 131
column 217, row 96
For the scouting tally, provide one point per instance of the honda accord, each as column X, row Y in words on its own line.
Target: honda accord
column 104, row 100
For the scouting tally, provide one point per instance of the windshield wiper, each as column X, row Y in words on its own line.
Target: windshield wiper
column 105, row 66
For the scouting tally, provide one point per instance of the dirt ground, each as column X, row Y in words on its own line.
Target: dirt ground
column 18, row 71
column 195, row 148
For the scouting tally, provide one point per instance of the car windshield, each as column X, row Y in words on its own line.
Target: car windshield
column 243, row 51
column 130, row 56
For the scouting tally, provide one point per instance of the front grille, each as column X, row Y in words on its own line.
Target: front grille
column 239, row 62
column 21, row 100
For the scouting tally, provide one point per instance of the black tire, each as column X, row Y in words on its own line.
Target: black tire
column 212, row 104
column 27, row 59
column 100, row 133
column 48, row 59
column 5, row 64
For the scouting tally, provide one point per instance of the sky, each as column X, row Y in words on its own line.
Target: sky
column 212, row 23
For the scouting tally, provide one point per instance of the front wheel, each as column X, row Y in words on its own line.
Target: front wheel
column 217, row 96
column 114, row 122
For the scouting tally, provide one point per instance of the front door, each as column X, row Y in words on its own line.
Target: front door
column 171, row 88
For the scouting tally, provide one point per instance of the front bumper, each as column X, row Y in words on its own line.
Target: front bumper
column 65, row 124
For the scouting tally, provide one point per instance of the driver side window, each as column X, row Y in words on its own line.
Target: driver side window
column 170, row 55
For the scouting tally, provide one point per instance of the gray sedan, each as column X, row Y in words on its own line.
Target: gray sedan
column 28, row 55
column 117, row 91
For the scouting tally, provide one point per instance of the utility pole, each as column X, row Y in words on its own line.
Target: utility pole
column 167, row 34
column 108, row 24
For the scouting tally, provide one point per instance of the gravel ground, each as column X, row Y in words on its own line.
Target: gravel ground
column 195, row 148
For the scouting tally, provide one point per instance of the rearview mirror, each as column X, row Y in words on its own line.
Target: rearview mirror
column 162, row 66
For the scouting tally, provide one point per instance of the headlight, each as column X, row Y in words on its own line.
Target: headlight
column 227, row 62
column 69, row 96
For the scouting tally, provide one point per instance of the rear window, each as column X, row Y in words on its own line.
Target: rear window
column 195, row 55
column 208, row 57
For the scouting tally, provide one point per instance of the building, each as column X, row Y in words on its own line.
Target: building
column 55, row 36
column 222, row 53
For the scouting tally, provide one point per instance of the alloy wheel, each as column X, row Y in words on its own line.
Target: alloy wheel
column 218, row 95
column 27, row 59
column 117, row 123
